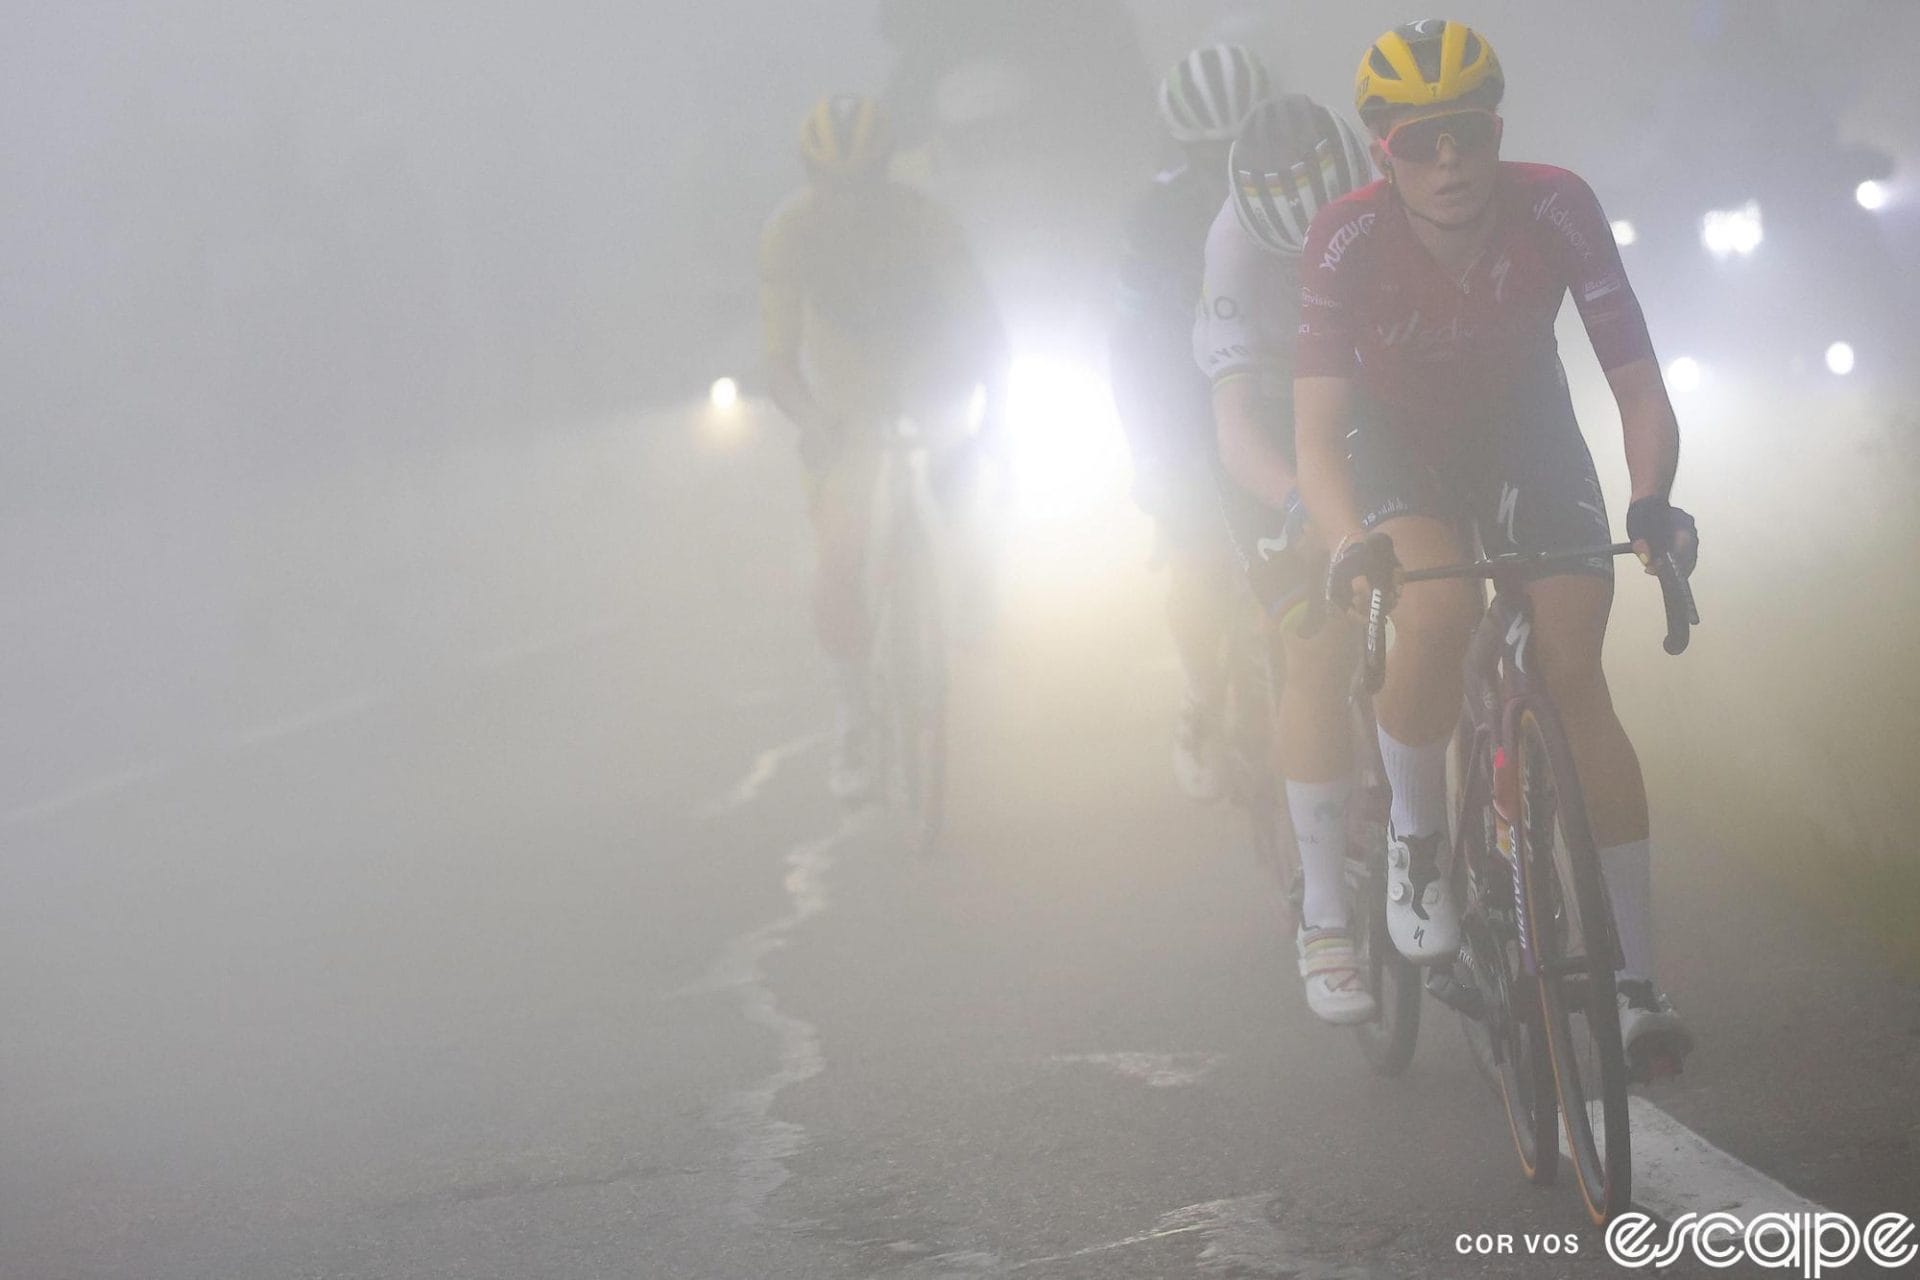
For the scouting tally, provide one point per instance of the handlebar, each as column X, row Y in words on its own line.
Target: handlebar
column 1676, row 594
column 1373, row 672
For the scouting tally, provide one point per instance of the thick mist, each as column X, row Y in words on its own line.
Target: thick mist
column 415, row 719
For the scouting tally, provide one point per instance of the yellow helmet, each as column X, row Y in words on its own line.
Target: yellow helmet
column 846, row 136
column 1428, row 63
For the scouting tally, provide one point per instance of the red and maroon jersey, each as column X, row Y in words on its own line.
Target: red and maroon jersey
column 1434, row 350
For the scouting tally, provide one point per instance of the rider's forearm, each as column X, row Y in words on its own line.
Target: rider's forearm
column 1247, row 450
column 1322, row 412
column 1648, row 425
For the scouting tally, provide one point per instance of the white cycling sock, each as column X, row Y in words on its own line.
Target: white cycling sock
column 1418, row 779
column 1628, row 871
column 1319, row 811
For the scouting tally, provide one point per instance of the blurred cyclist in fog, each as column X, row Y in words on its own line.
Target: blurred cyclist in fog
column 1163, row 398
column 873, row 308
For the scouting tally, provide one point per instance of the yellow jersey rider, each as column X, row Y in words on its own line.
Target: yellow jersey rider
column 873, row 307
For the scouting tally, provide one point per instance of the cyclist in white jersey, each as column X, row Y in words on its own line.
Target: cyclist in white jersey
column 1291, row 157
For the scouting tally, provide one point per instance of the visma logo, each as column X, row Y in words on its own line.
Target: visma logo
column 1810, row 1243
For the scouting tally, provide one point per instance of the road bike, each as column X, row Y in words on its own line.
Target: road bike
column 909, row 666
column 1534, row 978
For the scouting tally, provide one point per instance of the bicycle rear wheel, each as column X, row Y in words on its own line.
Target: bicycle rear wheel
column 1575, row 956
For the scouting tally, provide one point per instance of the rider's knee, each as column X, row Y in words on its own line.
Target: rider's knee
column 1319, row 656
column 1318, row 643
column 1577, row 682
column 1436, row 619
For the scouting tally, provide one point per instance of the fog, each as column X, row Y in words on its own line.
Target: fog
column 389, row 615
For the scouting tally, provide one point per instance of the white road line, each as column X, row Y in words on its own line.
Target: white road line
column 535, row 646
column 762, row 1144
column 1677, row 1171
column 114, row 783
column 1156, row 1070
column 83, row 793
column 291, row 726
column 1240, row 1239
column 767, row 764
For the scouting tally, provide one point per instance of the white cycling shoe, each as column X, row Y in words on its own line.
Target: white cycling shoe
column 1197, row 765
column 1656, row 1041
column 1421, row 918
column 1336, row 987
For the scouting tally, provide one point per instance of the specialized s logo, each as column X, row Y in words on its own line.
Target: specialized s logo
column 1519, row 631
column 1501, row 270
column 1343, row 240
column 1509, row 508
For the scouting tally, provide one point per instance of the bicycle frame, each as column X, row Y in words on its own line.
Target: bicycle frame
column 1500, row 684
column 1501, row 681
column 902, row 490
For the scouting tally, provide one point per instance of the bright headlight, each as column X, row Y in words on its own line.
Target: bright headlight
column 1064, row 437
column 1729, row 231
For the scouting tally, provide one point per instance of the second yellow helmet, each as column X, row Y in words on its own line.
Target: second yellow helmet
column 1431, row 62
column 846, row 136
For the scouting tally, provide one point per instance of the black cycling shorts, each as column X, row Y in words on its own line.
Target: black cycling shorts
column 1524, row 481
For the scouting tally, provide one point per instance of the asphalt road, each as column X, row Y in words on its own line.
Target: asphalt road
column 526, row 943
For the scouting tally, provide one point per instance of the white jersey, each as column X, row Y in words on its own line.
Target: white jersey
column 1249, row 310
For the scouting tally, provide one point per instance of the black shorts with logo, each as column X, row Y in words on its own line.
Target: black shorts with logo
column 1523, row 482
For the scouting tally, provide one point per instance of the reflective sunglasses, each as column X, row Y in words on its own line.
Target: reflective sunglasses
column 1473, row 132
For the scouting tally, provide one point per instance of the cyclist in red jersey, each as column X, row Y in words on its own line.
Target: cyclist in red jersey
column 1431, row 407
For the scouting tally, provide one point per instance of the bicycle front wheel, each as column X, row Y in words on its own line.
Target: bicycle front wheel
column 1505, row 1036
column 1387, row 1039
column 1574, row 953
column 912, row 673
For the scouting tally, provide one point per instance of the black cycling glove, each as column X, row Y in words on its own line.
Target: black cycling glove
column 1370, row 557
column 1665, row 527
